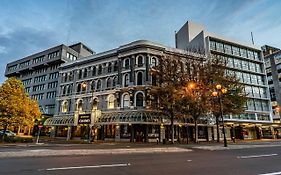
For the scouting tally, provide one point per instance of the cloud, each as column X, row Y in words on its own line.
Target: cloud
column 23, row 42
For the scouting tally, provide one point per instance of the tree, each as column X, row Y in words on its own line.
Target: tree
column 234, row 99
column 16, row 108
column 185, row 86
column 169, row 74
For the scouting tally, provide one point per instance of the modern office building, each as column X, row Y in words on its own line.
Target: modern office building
column 246, row 62
column 39, row 72
column 272, row 59
column 110, row 92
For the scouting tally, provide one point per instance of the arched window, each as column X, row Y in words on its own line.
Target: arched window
column 140, row 61
column 139, row 99
column 69, row 89
column 126, row 80
column 63, row 90
column 84, row 86
column 139, row 78
column 95, row 104
column 78, row 87
column 127, row 63
column 70, row 76
column 99, row 85
column 115, row 68
column 94, row 71
column 80, row 74
column 109, row 69
column 126, row 100
column 64, row 107
column 85, row 74
column 80, row 105
column 93, row 85
column 153, row 61
column 108, row 83
column 100, row 70
column 65, row 77
column 114, row 81
column 110, row 102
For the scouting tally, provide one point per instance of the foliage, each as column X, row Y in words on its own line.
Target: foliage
column 184, row 87
column 16, row 108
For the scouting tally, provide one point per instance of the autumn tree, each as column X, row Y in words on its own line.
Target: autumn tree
column 16, row 108
column 169, row 76
column 185, row 86
column 234, row 99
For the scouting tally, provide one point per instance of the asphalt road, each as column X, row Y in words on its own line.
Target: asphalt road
column 251, row 161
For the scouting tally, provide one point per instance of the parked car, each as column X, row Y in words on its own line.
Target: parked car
column 8, row 133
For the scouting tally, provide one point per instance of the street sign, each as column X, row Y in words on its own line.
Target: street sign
column 40, row 126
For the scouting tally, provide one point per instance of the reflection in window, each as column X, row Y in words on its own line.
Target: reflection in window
column 139, row 99
column 109, row 69
column 139, row 78
column 99, row 85
column 94, row 71
column 64, row 106
column 140, row 61
column 108, row 83
column 153, row 61
column 110, row 102
column 80, row 105
column 126, row 80
column 126, row 100
column 127, row 63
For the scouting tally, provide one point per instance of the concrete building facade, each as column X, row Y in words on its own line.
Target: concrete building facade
column 39, row 72
column 272, row 58
column 246, row 62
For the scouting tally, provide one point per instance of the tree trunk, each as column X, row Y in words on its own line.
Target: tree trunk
column 196, row 131
column 218, row 129
column 172, row 128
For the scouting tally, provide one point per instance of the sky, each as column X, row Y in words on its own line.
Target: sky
column 31, row 26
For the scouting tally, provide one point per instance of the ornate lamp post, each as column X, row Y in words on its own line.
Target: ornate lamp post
column 218, row 93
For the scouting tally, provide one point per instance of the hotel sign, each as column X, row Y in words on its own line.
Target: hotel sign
column 84, row 119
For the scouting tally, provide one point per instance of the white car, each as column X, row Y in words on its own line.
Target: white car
column 8, row 133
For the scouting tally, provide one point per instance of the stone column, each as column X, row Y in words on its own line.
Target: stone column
column 117, row 132
column 146, row 133
column 68, row 137
column 162, row 133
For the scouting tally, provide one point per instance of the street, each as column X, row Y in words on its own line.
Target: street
column 255, row 160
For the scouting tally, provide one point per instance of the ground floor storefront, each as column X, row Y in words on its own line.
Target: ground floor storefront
column 148, row 126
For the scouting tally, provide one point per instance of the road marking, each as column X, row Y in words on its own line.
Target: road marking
column 94, row 166
column 189, row 160
column 275, row 173
column 256, row 156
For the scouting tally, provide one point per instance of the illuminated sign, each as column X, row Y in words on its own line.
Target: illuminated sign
column 84, row 119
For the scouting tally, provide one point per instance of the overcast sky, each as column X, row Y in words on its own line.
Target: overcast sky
column 30, row 26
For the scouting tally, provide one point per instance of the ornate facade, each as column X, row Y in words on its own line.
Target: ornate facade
column 110, row 92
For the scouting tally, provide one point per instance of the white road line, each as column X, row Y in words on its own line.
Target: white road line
column 275, row 173
column 256, row 156
column 94, row 166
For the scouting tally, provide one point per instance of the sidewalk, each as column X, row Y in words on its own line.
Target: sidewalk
column 97, row 148
column 86, row 152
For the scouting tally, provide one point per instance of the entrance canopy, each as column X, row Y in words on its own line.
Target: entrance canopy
column 133, row 117
column 60, row 121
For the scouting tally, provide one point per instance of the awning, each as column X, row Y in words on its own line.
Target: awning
column 140, row 117
column 60, row 121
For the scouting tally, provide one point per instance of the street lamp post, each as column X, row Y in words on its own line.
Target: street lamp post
column 218, row 93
